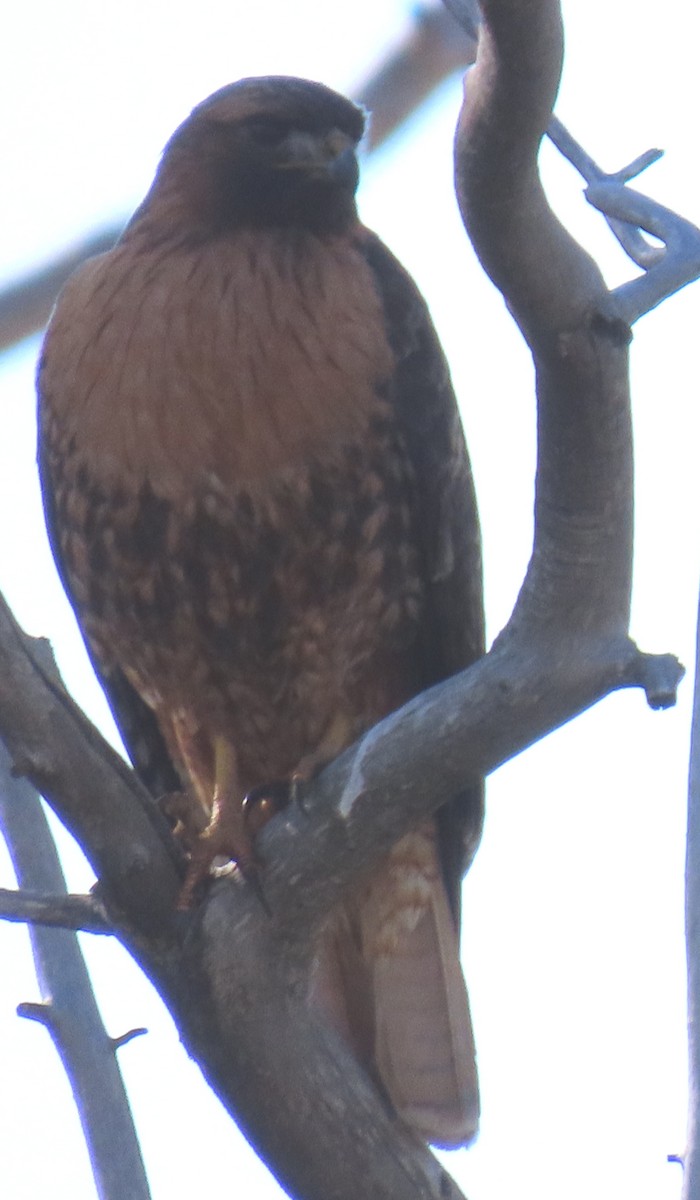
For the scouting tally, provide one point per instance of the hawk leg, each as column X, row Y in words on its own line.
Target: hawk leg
column 337, row 737
column 227, row 834
column 235, row 818
column 186, row 815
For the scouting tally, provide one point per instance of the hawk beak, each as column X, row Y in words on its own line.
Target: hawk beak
column 331, row 157
column 344, row 169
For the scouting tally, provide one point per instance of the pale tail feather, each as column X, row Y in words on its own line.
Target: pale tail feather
column 424, row 1043
column 390, row 981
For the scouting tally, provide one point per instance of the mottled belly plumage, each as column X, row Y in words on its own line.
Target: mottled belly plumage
column 258, row 612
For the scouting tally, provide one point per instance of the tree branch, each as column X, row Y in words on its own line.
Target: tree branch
column 629, row 236
column 669, row 267
column 98, row 797
column 435, row 47
column 82, row 913
column 68, row 1009
column 25, row 306
column 674, row 265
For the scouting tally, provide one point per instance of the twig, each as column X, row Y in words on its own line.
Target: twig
column 677, row 263
column 81, row 913
column 125, row 1038
column 667, row 268
column 635, row 246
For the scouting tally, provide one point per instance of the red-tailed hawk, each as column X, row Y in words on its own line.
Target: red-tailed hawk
column 260, row 503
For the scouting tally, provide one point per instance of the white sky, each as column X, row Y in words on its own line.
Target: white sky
column 573, row 942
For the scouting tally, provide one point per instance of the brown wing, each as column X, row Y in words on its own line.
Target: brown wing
column 445, row 520
column 389, row 974
column 135, row 721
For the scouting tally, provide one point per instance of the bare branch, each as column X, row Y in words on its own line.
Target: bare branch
column 629, row 236
column 412, row 759
column 68, row 1009
column 82, row 913
column 224, row 1003
column 102, row 804
column 659, row 675
column 25, row 306
column 676, row 265
column 435, row 47
column 669, row 267
column 30, row 1010
column 549, row 280
column 125, row 1038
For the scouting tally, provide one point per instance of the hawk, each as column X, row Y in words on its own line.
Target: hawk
column 260, row 503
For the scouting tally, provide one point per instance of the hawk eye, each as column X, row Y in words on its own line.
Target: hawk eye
column 268, row 131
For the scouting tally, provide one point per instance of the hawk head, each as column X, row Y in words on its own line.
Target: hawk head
column 270, row 152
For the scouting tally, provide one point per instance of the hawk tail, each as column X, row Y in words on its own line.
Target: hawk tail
column 423, row 1038
column 389, row 980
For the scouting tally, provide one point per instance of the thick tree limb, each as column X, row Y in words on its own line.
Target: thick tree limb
column 52, row 743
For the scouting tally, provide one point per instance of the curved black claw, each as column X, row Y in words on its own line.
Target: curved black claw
column 251, row 874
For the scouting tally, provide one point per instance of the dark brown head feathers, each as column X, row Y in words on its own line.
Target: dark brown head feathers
column 269, row 152
column 302, row 103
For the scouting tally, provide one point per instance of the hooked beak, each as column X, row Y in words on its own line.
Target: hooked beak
column 332, row 157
